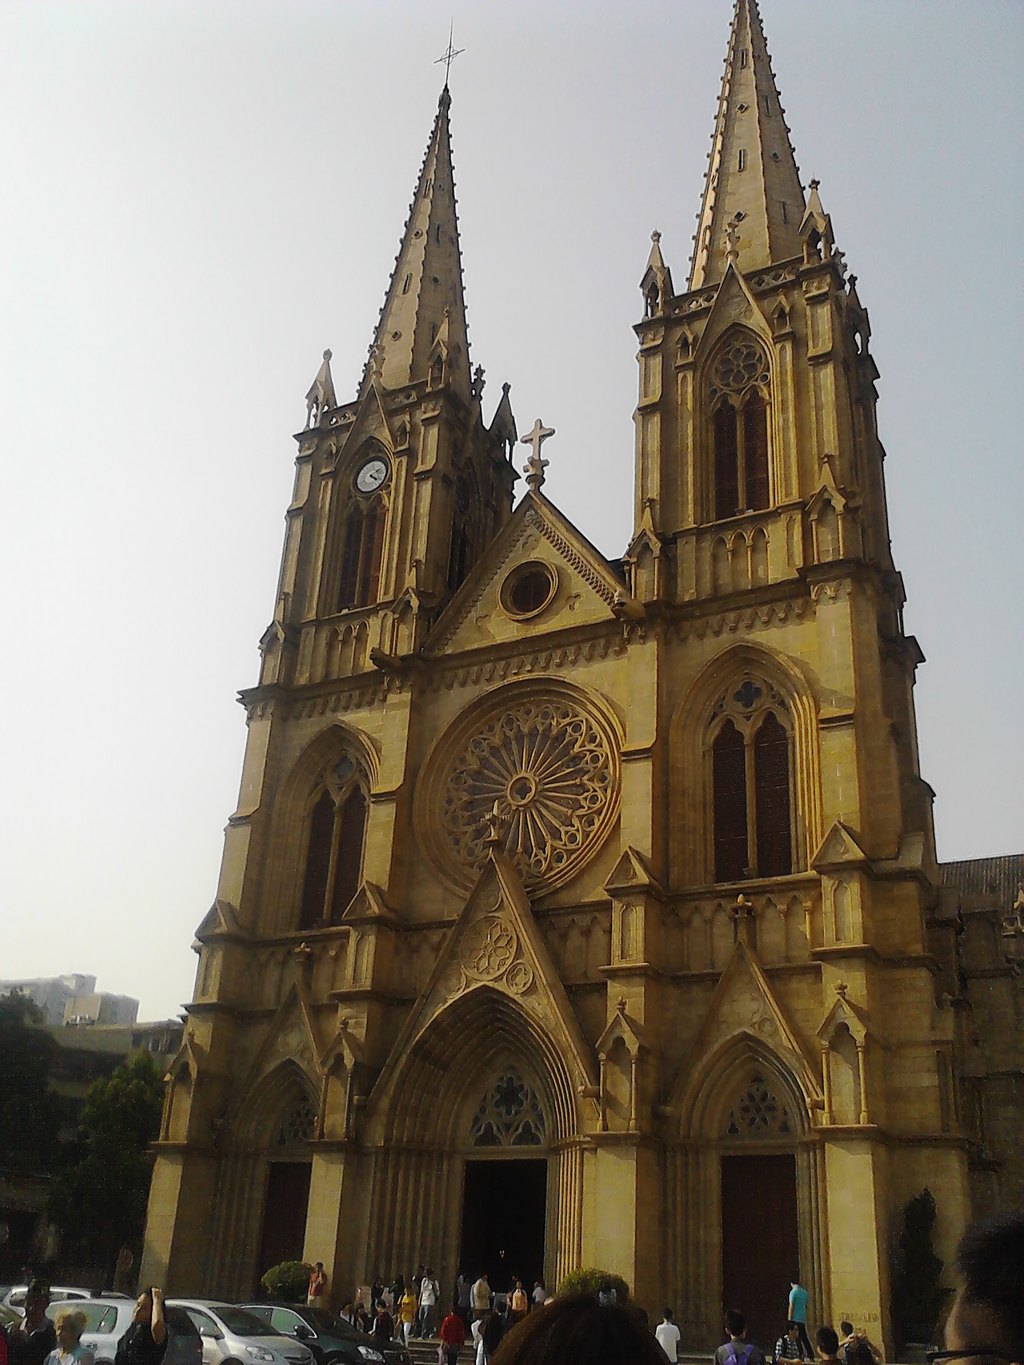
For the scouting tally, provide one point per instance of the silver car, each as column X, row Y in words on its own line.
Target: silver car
column 235, row 1337
column 109, row 1316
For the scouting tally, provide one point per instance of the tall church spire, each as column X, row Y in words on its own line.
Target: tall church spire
column 752, row 196
column 422, row 327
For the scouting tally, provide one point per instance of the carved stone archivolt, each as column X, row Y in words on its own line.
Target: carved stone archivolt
column 546, row 763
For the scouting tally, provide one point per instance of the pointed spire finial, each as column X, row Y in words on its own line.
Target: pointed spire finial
column 751, row 166
column 534, row 467
column 320, row 397
column 449, row 56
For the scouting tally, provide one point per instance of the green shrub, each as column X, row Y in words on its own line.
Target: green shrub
column 289, row 1281
column 588, row 1281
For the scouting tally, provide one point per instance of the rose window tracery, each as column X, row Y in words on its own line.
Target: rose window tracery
column 542, row 775
column 739, row 366
column 759, row 1113
column 510, row 1115
column 297, row 1125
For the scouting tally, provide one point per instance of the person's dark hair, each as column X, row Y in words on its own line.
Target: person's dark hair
column 492, row 1329
column 827, row 1340
column 668, row 1315
column 791, row 1324
column 576, row 1330
column 846, row 1328
column 735, row 1322
column 990, row 1258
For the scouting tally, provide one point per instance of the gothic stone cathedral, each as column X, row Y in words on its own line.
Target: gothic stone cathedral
column 586, row 911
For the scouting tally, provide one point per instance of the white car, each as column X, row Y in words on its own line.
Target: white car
column 109, row 1316
column 15, row 1298
column 235, row 1337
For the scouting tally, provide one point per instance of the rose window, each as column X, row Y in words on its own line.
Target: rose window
column 759, row 1113
column 541, row 775
column 738, row 367
column 510, row 1115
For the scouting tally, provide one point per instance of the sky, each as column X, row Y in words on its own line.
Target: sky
column 200, row 197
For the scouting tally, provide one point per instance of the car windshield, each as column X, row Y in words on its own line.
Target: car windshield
column 242, row 1324
column 326, row 1322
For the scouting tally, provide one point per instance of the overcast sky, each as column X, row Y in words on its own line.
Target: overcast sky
column 199, row 197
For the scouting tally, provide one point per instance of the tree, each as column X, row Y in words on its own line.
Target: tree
column 32, row 1117
column 99, row 1200
column 917, row 1291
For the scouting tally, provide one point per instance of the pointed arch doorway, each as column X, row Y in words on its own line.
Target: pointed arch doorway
column 505, row 1185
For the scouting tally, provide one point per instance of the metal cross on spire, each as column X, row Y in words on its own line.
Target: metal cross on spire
column 449, row 56
column 534, row 467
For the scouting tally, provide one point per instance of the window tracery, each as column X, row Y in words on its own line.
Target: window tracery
column 334, row 853
column 509, row 1115
column 751, row 765
column 759, row 1113
column 298, row 1125
column 738, row 394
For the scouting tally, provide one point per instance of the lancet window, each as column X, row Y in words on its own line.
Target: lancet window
column 459, row 552
column 334, row 850
column 749, row 748
column 362, row 535
column 738, row 396
column 509, row 1115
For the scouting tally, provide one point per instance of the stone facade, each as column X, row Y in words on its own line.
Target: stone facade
column 622, row 866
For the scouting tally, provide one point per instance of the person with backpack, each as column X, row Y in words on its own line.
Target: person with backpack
column 738, row 1350
column 855, row 1348
column 788, row 1345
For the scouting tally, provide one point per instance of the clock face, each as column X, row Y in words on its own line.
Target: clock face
column 372, row 475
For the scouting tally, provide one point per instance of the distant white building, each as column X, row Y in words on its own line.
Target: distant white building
column 73, row 999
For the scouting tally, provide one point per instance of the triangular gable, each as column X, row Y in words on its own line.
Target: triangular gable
column 345, row 1044
column 290, row 1037
column 631, row 873
column 734, row 305
column 368, row 906
column 827, row 488
column 845, row 1012
column 621, row 1026
column 839, row 848
column 744, row 1003
column 220, row 921
column 495, row 944
column 371, row 421
column 189, row 1057
column 587, row 584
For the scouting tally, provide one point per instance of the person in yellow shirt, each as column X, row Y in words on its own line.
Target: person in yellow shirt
column 407, row 1306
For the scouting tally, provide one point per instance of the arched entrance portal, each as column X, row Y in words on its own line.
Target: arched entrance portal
column 504, row 1188
column 479, row 1149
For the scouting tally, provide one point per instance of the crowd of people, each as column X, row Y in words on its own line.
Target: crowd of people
column 985, row 1325
column 415, row 1306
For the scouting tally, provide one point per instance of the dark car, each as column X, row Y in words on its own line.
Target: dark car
column 331, row 1339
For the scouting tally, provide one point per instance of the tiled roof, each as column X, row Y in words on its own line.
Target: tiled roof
column 1001, row 877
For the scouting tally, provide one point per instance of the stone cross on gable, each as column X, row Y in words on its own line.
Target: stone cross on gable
column 534, row 467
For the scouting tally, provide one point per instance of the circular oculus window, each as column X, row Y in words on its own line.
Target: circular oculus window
column 528, row 589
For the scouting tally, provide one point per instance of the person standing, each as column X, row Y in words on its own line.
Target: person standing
column 428, row 1303
column 667, row 1335
column 738, row 1350
column 797, row 1313
column 34, row 1337
column 383, row 1326
column 539, row 1295
column 453, row 1334
column 517, row 1304
column 145, row 1342
column 407, row 1307
column 481, row 1297
column 317, row 1285
column 463, row 1297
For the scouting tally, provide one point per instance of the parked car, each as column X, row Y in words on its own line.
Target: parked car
column 15, row 1297
column 9, row 1317
column 233, row 1335
column 330, row 1338
column 108, row 1317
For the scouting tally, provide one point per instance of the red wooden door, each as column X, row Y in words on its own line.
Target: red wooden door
column 759, row 1241
column 284, row 1215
